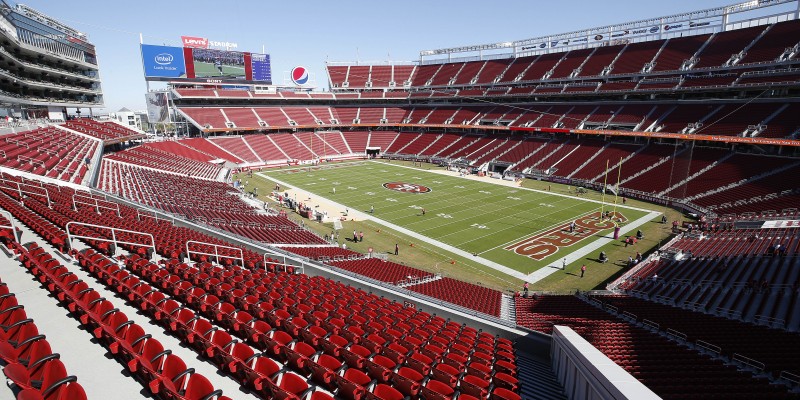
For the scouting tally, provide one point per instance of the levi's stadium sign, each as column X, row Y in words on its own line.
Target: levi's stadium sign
column 204, row 43
column 194, row 42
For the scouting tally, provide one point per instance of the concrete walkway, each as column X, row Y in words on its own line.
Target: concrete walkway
column 333, row 208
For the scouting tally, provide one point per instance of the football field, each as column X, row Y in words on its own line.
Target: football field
column 521, row 229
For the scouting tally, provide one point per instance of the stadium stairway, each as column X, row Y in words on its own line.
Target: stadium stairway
column 223, row 175
column 508, row 310
column 537, row 379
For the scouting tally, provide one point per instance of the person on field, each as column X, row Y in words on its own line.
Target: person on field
column 396, row 249
column 583, row 270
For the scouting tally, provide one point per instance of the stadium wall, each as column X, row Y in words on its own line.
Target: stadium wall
column 586, row 373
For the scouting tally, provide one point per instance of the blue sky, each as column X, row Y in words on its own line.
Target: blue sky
column 308, row 33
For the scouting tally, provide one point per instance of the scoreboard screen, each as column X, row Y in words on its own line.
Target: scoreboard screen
column 262, row 71
column 189, row 64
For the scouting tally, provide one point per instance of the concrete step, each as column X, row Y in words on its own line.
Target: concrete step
column 537, row 380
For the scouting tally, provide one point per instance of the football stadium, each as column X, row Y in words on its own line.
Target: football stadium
column 608, row 213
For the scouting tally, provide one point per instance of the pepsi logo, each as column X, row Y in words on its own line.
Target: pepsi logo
column 164, row 59
column 299, row 75
column 406, row 187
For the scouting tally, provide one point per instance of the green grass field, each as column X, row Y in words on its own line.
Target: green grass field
column 204, row 69
column 477, row 217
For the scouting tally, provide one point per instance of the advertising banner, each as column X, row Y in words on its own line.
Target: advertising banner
column 195, row 42
column 163, row 61
column 157, row 107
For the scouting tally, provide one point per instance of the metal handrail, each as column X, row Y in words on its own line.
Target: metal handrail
column 20, row 191
column 113, row 239
column 17, row 233
column 96, row 203
column 216, row 254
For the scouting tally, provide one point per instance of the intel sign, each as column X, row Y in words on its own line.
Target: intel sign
column 163, row 61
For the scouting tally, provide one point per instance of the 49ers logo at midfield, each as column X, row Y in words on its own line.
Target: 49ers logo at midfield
column 547, row 243
column 406, row 187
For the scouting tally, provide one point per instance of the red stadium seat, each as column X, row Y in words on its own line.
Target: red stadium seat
column 352, row 384
column 435, row 390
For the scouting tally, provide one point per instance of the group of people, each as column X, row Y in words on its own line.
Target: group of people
column 632, row 261
column 333, row 237
column 777, row 249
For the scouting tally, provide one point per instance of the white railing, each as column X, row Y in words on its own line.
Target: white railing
column 11, row 225
column 709, row 347
column 758, row 365
column 21, row 190
column 71, row 235
column 140, row 212
column 77, row 198
column 786, row 375
column 216, row 254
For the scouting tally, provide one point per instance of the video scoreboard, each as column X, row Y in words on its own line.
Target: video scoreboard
column 192, row 64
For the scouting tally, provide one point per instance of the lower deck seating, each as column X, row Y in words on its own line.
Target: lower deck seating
column 326, row 253
column 384, row 271
column 463, row 294
column 169, row 192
